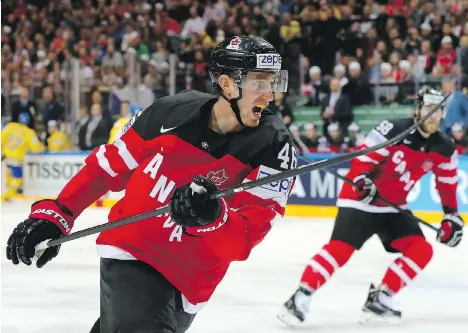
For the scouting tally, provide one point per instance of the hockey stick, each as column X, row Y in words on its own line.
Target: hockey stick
column 241, row 187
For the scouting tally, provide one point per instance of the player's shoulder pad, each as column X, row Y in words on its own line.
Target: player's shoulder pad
column 387, row 129
column 442, row 144
column 170, row 112
column 266, row 142
column 390, row 128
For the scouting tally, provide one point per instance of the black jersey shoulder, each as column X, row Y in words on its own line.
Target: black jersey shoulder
column 390, row 128
column 442, row 144
column 438, row 142
column 186, row 115
column 261, row 145
column 172, row 114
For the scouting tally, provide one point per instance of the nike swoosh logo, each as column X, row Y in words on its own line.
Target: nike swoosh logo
column 164, row 130
column 407, row 142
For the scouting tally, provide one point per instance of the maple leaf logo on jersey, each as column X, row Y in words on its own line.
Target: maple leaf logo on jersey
column 427, row 165
column 217, row 177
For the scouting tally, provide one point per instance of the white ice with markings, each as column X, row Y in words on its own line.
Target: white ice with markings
column 64, row 295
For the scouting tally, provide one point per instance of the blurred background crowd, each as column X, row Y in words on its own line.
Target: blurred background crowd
column 80, row 69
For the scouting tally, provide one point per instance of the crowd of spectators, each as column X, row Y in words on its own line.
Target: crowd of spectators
column 340, row 54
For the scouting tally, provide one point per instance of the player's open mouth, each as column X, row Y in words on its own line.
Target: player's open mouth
column 257, row 110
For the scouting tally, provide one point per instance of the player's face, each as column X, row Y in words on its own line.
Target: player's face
column 253, row 101
column 431, row 125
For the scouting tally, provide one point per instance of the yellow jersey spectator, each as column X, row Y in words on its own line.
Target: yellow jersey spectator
column 57, row 140
column 290, row 29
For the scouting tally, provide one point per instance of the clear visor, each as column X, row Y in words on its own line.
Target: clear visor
column 261, row 81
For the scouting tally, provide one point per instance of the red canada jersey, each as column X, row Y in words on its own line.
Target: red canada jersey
column 397, row 168
column 162, row 148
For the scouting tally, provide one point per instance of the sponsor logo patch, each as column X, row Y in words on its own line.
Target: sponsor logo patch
column 269, row 61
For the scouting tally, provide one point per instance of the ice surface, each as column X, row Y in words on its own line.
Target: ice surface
column 64, row 296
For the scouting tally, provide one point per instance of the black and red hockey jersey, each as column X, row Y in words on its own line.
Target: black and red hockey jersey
column 162, row 148
column 397, row 168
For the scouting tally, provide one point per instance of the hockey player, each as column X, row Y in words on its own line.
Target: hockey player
column 156, row 274
column 391, row 173
column 17, row 140
column 57, row 141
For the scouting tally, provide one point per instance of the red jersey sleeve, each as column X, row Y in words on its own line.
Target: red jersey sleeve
column 446, row 178
column 109, row 166
column 253, row 212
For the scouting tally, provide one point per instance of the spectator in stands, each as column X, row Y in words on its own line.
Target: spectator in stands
column 425, row 60
column 339, row 72
column 456, row 106
column 317, row 89
column 97, row 128
column 25, row 105
column 194, row 25
column 112, row 58
column 336, row 107
column 387, row 90
column 460, row 137
column 464, row 58
column 355, row 138
column 310, row 137
column 281, row 107
column 445, row 58
column 406, row 91
column 79, row 131
column 334, row 142
column 52, row 110
column 358, row 85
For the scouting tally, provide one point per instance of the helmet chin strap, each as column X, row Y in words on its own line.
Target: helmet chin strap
column 234, row 106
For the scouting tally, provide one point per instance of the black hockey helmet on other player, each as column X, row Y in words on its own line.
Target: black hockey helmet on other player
column 236, row 57
column 429, row 97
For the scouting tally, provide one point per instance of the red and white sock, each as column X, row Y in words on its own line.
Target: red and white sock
column 417, row 253
column 324, row 264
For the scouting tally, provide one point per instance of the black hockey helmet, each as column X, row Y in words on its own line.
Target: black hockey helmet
column 237, row 56
column 428, row 96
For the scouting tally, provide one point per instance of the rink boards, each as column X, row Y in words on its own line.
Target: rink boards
column 314, row 193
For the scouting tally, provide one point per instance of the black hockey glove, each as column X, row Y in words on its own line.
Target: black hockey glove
column 192, row 208
column 451, row 230
column 48, row 220
column 365, row 189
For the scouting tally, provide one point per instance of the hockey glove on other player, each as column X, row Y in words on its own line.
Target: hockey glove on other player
column 48, row 220
column 192, row 208
column 451, row 230
column 365, row 189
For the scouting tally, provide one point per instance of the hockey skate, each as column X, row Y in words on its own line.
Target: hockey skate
column 378, row 307
column 295, row 310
